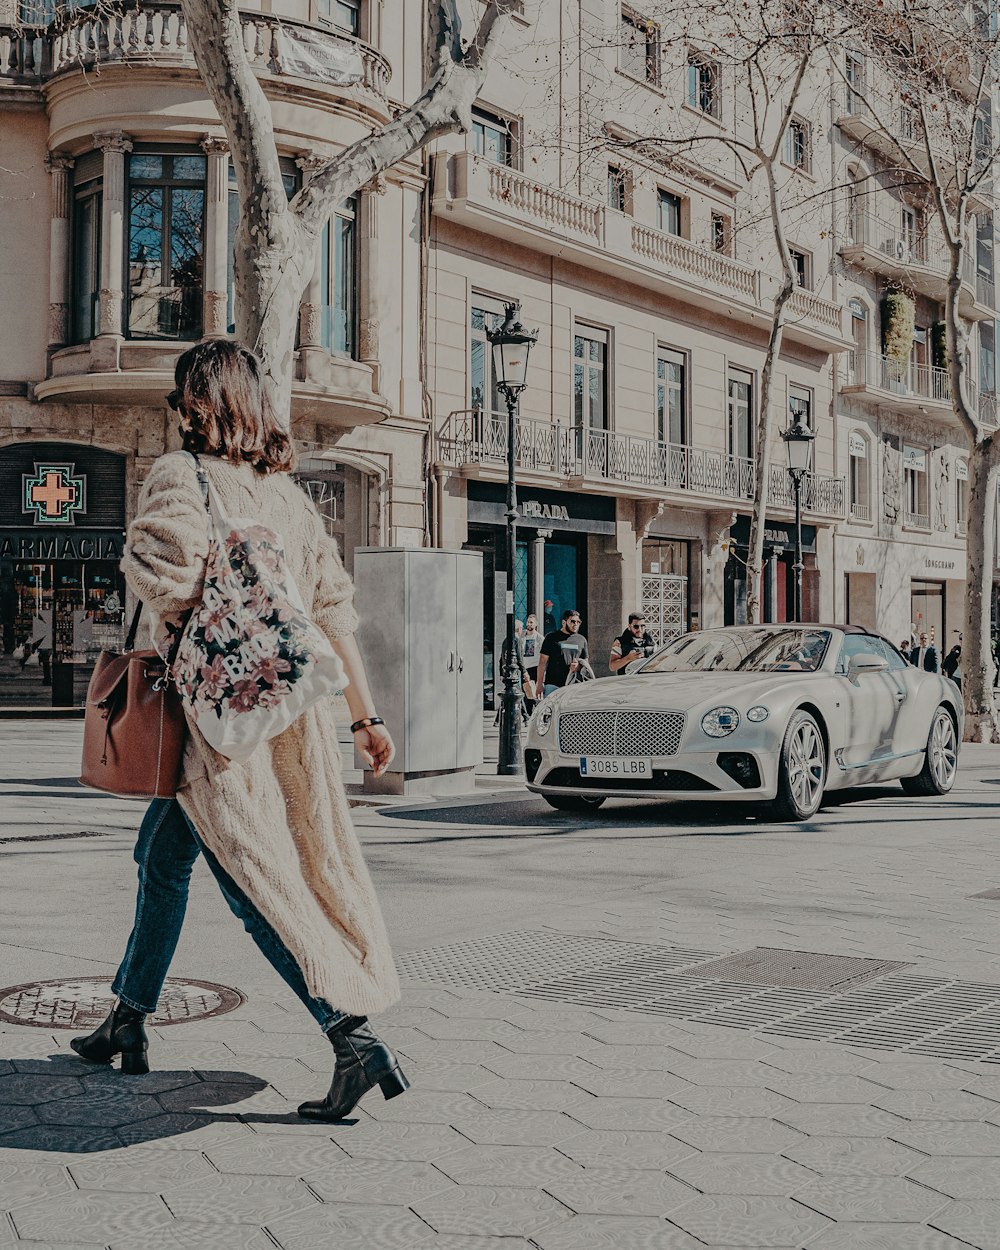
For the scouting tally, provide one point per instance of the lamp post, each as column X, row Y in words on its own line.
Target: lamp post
column 798, row 445
column 512, row 345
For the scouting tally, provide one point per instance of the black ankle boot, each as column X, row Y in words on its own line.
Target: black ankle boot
column 363, row 1061
column 122, row 1033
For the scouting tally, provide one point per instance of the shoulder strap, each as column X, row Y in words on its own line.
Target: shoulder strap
column 202, row 479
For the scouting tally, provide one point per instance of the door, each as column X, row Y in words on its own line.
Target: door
column 468, row 672
column 871, row 701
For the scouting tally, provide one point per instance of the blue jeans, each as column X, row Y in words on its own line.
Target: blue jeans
column 166, row 849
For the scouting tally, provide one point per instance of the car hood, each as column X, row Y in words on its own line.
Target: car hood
column 676, row 690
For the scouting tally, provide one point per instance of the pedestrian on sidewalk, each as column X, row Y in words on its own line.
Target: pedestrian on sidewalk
column 635, row 642
column 951, row 665
column 531, row 646
column 275, row 830
column 904, row 649
column 924, row 655
column 562, row 653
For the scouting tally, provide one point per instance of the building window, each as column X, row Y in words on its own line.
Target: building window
column 800, row 405
column 344, row 14
column 854, row 73
column 640, row 47
column 618, row 189
column 339, row 281
column 859, row 335
column 722, row 234
column 797, row 145
column 916, row 508
column 669, row 211
column 703, row 84
column 166, row 233
column 858, row 478
column 492, row 138
column 487, row 314
column 290, row 180
column 85, row 278
column 590, row 378
column 740, row 414
column 671, row 397
column 961, row 494
column 802, row 265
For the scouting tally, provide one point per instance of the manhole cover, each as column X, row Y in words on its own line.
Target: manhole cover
column 83, row 1004
column 806, row 970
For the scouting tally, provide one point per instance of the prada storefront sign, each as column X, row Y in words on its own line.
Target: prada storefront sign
column 776, row 534
column 542, row 509
column 61, row 501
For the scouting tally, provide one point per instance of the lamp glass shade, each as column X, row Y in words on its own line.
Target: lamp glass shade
column 798, row 446
column 510, row 362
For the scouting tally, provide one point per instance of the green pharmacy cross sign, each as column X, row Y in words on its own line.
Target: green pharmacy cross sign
column 55, row 494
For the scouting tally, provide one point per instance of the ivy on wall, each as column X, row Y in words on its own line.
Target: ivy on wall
column 899, row 315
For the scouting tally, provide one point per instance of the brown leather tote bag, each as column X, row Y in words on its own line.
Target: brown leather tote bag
column 134, row 727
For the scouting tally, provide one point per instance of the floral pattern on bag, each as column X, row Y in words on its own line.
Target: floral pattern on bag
column 247, row 644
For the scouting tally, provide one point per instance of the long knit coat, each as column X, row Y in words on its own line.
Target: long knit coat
column 279, row 823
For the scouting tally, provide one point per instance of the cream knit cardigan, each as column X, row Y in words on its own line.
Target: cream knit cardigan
column 279, row 824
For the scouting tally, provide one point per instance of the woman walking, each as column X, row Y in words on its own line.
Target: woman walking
column 276, row 829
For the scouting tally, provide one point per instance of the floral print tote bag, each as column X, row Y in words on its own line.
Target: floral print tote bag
column 250, row 661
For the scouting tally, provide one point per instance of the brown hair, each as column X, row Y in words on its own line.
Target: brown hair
column 220, row 391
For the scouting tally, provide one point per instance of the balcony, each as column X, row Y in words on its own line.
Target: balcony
column 156, row 34
column 916, row 263
column 507, row 204
column 861, row 512
column 910, row 389
column 916, row 520
column 476, row 443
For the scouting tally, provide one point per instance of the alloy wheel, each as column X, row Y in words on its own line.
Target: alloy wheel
column 944, row 751
column 805, row 766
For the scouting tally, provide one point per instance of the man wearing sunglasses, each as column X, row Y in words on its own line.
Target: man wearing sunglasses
column 635, row 642
column 562, row 653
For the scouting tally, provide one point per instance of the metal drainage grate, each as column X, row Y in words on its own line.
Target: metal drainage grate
column 83, row 1004
column 793, row 970
column 899, row 1011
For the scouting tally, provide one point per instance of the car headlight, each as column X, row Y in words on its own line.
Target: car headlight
column 720, row 721
column 758, row 713
column 543, row 719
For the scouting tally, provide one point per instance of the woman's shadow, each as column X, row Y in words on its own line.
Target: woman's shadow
column 63, row 1103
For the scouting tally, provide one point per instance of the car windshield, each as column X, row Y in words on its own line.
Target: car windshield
column 743, row 651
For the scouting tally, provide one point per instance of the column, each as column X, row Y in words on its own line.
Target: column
column 369, row 310
column 115, row 145
column 216, row 293
column 536, row 591
column 59, row 165
column 311, row 308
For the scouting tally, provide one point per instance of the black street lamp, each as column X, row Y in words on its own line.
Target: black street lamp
column 512, row 344
column 798, row 444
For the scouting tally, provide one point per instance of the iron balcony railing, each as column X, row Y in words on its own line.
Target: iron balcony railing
column 630, row 459
column 917, row 520
column 861, row 512
column 909, row 381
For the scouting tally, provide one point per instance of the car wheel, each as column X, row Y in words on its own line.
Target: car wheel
column 573, row 802
column 940, row 758
column 801, row 770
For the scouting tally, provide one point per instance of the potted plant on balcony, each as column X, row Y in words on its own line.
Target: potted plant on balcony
column 898, row 322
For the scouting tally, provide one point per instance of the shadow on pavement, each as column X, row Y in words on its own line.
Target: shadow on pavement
column 65, row 1104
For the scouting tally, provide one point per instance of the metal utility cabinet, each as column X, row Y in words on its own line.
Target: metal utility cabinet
column 421, row 636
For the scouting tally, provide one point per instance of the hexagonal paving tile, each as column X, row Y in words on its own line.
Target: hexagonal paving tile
column 614, row 1232
column 733, row 1135
column 539, row 1067
column 533, row 1095
column 773, row 1223
column 407, row 1142
column 275, row 1155
column 22, row 1182
column 738, row 1101
column 197, row 1235
column 13, row 1118
column 655, row 1151
column 618, row 1191
column 648, row 1058
column 530, row 1166
column 630, row 1083
column 58, row 1139
column 843, row 1120
column 437, row 1074
column 899, row 1073
column 875, row 1199
column 490, row 1210
column 100, row 1109
column 30, row 1090
column 766, row 1175
column 945, row 1137
column 378, row 1181
column 885, row 1237
column 147, row 1172
column 629, row 1114
column 732, row 1073
column 152, row 1083
column 824, row 1060
column 936, row 1104
column 238, row 1199
column 516, row 1128
column 351, row 1226
column 185, row 1130
column 854, row 1156
column 957, row 1178
column 814, row 1087
column 106, row 1216
column 977, row 1223
column 637, row 1032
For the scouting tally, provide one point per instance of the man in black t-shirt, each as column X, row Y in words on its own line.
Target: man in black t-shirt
column 631, row 645
column 561, row 653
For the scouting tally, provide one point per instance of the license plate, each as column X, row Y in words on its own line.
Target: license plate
column 614, row 766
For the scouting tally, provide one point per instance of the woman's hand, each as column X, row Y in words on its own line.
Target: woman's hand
column 376, row 747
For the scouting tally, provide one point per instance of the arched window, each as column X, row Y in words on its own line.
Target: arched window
column 859, row 476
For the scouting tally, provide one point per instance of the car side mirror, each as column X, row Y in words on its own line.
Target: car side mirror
column 858, row 665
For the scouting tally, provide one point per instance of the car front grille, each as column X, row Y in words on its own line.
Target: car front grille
column 620, row 733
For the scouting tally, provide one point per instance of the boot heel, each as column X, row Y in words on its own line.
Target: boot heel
column 134, row 1063
column 393, row 1084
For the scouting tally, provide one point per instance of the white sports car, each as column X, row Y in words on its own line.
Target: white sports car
column 775, row 713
